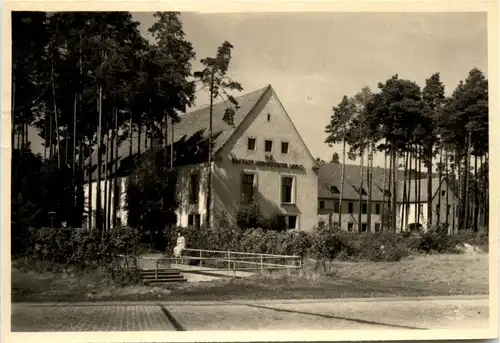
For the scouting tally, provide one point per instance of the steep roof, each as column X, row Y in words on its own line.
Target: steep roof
column 192, row 122
column 423, row 189
column 330, row 174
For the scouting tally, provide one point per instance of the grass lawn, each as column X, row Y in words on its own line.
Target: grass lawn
column 415, row 276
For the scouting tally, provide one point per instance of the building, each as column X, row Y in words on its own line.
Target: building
column 261, row 157
column 444, row 203
column 329, row 188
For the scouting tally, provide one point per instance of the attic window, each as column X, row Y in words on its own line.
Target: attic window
column 443, row 193
column 334, row 190
column 363, row 192
column 269, row 117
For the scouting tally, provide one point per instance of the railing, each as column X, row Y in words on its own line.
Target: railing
column 229, row 261
column 242, row 261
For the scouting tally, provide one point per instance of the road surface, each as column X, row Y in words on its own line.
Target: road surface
column 371, row 314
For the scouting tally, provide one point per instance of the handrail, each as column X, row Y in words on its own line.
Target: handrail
column 244, row 253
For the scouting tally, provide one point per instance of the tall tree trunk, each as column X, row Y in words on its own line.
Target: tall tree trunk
column 394, row 188
column 209, row 178
column 73, row 153
column 172, row 146
column 466, row 183
column 55, row 121
column 417, row 176
column 106, row 156
column 382, row 221
column 458, row 162
column 163, row 131
column 404, row 202
column 440, row 176
column 99, row 161
column 408, row 194
column 51, row 143
column 90, row 214
column 116, row 191
column 130, row 135
column 419, row 191
column 486, row 191
column 360, row 190
column 370, row 188
column 448, row 187
column 111, row 176
column 45, row 130
column 342, row 176
column 66, row 146
column 139, row 137
column 429, row 186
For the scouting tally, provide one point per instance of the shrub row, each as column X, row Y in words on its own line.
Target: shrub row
column 328, row 244
column 80, row 248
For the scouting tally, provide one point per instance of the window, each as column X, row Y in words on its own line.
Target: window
column 377, row 208
column 321, row 204
column 287, row 189
column 364, row 227
column 247, row 187
column 284, row 147
column 197, row 221
column 251, row 144
column 443, row 193
column 194, row 188
column 387, row 193
column 291, row 222
column 336, row 207
column 268, row 146
column 350, row 207
column 269, row 117
column 349, row 226
column 334, row 190
column 377, row 227
column 194, row 220
column 364, row 208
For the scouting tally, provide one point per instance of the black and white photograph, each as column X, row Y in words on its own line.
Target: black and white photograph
column 249, row 171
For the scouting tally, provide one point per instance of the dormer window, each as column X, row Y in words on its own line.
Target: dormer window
column 358, row 189
column 334, row 190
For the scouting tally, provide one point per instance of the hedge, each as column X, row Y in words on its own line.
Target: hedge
column 80, row 248
column 324, row 243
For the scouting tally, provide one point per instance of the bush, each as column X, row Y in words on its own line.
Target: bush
column 249, row 216
column 80, row 248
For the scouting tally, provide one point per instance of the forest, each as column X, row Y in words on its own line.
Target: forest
column 87, row 82
column 422, row 131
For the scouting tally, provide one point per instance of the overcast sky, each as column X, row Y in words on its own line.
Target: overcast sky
column 312, row 60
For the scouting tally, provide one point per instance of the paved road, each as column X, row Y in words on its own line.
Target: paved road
column 372, row 314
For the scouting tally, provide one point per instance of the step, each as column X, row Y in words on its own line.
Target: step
column 163, row 277
column 161, row 281
column 160, row 273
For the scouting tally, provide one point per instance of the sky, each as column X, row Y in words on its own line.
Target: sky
column 313, row 59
